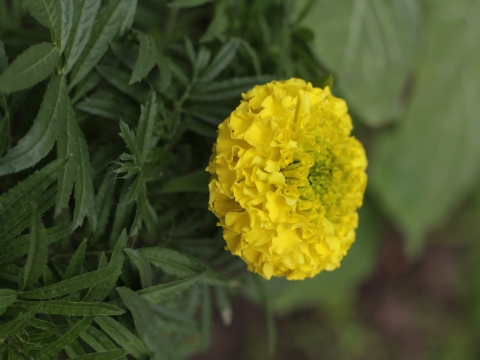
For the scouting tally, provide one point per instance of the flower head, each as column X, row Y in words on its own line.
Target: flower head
column 287, row 179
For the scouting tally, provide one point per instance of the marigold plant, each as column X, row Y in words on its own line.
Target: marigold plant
column 287, row 179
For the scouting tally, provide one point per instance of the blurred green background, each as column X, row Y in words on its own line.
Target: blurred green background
column 410, row 286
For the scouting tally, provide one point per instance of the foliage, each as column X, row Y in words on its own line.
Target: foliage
column 108, row 114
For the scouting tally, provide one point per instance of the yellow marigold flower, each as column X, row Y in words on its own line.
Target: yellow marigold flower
column 287, row 180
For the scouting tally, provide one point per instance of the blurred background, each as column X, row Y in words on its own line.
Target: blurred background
column 410, row 286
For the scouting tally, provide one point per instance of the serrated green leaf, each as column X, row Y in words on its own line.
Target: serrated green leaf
column 16, row 325
column 84, row 15
column 54, row 14
column 139, row 308
column 178, row 4
column 120, row 80
column 21, row 196
column 157, row 293
column 123, row 337
column 47, row 275
column 66, row 339
column 19, row 247
column 104, row 201
column 23, row 218
column 107, row 26
column 42, row 135
column 194, row 182
column 104, row 355
column 97, row 340
column 146, row 124
column 122, row 214
column 147, row 57
column 7, row 297
column 70, row 308
column 75, row 264
column 137, row 189
column 84, row 192
column 29, row 68
column 221, row 61
column 128, row 18
column 227, row 89
column 37, row 252
column 67, row 144
column 130, row 139
column 143, row 266
column 172, row 262
column 68, row 286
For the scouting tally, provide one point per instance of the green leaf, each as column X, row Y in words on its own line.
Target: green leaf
column 42, row 135
column 19, row 247
column 422, row 169
column 107, row 107
column 127, row 21
column 67, row 144
column 104, row 202
column 23, row 218
column 54, row 14
column 143, row 266
column 75, row 264
column 104, row 355
column 120, row 79
column 123, row 337
column 122, row 214
column 38, row 250
column 194, row 182
column 29, row 68
column 137, row 190
column 139, row 308
column 147, row 57
column 172, row 262
column 19, row 198
column 4, row 128
column 157, row 293
column 83, row 18
column 16, row 325
column 227, row 89
column 107, row 26
column 70, row 308
column 66, row 339
column 178, row 4
column 97, row 340
column 221, row 61
column 146, row 124
column 367, row 42
column 7, row 297
column 88, row 83
column 84, row 192
column 68, row 286
column 130, row 139
column 180, row 265
column 47, row 276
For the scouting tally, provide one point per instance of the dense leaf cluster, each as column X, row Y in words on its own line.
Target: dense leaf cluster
column 106, row 248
